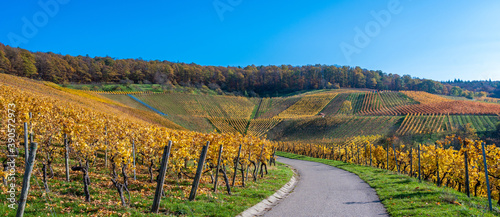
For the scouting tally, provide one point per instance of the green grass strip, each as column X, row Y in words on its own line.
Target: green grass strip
column 406, row 196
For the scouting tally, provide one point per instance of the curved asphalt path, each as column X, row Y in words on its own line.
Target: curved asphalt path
column 324, row 190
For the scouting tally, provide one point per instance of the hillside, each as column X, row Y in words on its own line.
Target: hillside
column 87, row 99
column 251, row 80
column 324, row 116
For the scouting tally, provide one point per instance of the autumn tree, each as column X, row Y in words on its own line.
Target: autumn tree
column 4, row 62
column 28, row 64
column 262, row 80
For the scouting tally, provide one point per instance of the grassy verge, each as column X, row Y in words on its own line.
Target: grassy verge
column 406, row 196
column 67, row 198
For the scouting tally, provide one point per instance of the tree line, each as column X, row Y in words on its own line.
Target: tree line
column 483, row 87
column 250, row 80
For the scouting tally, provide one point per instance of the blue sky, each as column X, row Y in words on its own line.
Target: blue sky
column 439, row 40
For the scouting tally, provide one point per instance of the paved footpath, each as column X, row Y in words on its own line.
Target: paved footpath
column 324, row 190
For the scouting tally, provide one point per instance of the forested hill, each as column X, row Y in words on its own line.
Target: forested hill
column 252, row 80
column 489, row 87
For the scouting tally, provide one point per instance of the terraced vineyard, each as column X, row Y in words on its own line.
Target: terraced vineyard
column 479, row 122
column 329, row 129
column 394, row 99
column 352, row 105
column 380, row 125
column 447, row 107
column 126, row 100
column 371, row 102
column 276, row 106
column 334, row 106
column 422, row 124
column 424, row 97
column 307, row 106
column 322, row 116
column 229, row 125
column 259, row 127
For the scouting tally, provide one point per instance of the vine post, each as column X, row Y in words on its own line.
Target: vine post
column 419, row 176
column 437, row 166
column 466, row 163
column 26, row 144
column 26, row 180
column 161, row 178
column 395, row 156
column 199, row 172
column 236, row 166
column 487, row 178
column 133, row 158
column 106, row 145
column 219, row 158
column 66, row 156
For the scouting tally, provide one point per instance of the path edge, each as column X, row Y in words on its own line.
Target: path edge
column 267, row 204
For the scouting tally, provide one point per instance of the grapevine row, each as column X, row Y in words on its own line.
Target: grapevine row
column 91, row 133
column 441, row 156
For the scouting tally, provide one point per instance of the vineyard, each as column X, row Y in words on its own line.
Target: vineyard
column 126, row 100
column 369, row 103
column 422, row 124
column 334, row 106
column 117, row 133
column 349, row 113
column 92, row 137
column 275, row 106
column 478, row 122
column 439, row 163
column 307, row 106
column 424, row 97
column 259, row 127
column 352, row 105
column 331, row 129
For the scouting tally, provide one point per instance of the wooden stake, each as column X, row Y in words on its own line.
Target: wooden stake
column 395, row 156
column 466, row 162
column 26, row 144
column 419, row 177
column 487, row 178
column 387, row 166
column 248, row 166
column 411, row 162
column 106, row 144
column 26, row 180
column 370, row 154
column 66, row 156
column 219, row 158
column 199, row 171
column 161, row 178
column 437, row 166
column 236, row 166
column 133, row 158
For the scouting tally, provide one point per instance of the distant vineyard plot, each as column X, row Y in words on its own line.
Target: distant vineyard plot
column 259, row 127
column 424, row 97
column 422, row 124
column 481, row 123
column 330, row 128
column 307, row 106
column 435, row 123
column 333, row 107
column 126, row 100
column 448, row 107
column 271, row 107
